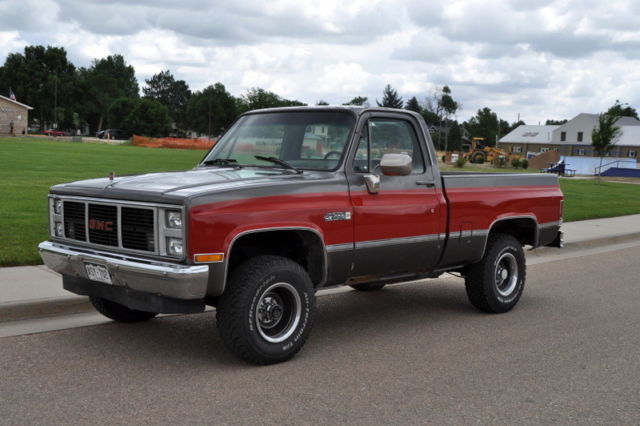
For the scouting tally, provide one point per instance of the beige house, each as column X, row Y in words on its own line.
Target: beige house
column 572, row 138
column 13, row 112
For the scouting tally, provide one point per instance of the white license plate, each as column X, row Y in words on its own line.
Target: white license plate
column 98, row 273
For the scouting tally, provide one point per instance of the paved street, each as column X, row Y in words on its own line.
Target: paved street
column 414, row 353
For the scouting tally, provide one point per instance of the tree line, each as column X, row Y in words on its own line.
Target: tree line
column 107, row 95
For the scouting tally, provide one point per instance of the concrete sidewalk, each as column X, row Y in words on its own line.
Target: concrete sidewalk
column 28, row 292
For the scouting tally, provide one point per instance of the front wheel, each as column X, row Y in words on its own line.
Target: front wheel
column 118, row 312
column 495, row 284
column 266, row 312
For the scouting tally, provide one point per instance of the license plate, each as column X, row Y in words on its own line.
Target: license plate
column 98, row 273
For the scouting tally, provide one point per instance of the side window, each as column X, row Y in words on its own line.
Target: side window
column 387, row 136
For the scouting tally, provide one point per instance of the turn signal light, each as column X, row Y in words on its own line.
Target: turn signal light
column 209, row 258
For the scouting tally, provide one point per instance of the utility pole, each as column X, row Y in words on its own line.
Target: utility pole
column 55, row 101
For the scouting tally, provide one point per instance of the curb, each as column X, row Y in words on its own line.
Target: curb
column 587, row 244
column 42, row 308
column 32, row 309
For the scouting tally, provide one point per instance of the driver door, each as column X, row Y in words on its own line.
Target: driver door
column 399, row 229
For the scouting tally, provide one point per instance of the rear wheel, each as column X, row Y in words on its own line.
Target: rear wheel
column 266, row 312
column 495, row 284
column 118, row 312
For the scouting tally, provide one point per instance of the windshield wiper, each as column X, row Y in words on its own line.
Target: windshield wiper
column 228, row 162
column 279, row 162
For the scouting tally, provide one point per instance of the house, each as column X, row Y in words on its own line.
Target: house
column 13, row 114
column 572, row 138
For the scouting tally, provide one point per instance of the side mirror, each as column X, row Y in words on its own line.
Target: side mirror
column 395, row 164
column 373, row 183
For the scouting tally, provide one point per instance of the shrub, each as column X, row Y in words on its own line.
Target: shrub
column 500, row 161
column 460, row 162
column 515, row 162
column 524, row 163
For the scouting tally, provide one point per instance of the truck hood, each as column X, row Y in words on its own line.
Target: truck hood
column 176, row 186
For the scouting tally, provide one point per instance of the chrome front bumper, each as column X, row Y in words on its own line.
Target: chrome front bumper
column 165, row 279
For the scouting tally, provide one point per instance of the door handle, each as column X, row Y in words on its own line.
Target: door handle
column 427, row 183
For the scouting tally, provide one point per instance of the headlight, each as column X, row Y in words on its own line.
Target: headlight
column 57, row 206
column 175, row 246
column 59, row 229
column 174, row 219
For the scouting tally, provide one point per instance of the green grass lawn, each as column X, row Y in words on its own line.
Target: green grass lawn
column 586, row 199
column 30, row 166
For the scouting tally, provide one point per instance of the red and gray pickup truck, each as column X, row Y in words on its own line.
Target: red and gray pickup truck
column 289, row 201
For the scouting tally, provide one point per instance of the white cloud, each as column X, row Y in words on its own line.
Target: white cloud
column 542, row 59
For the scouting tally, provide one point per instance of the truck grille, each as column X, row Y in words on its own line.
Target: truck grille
column 103, row 225
column 74, row 223
column 137, row 229
column 126, row 227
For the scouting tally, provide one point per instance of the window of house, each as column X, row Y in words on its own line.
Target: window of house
column 632, row 153
column 544, row 149
column 517, row 149
column 581, row 151
column 563, row 136
column 579, row 136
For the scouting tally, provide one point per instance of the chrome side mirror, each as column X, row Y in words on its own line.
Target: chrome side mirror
column 373, row 183
column 396, row 164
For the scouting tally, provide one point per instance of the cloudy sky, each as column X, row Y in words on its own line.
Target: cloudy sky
column 540, row 59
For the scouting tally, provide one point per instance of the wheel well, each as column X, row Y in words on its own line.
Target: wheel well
column 301, row 246
column 522, row 229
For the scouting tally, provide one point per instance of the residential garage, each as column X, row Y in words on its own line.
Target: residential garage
column 13, row 114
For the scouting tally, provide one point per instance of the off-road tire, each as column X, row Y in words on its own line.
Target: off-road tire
column 495, row 283
column 245, row 324
column 118, row 312
column 478, row 158
column 367, row 286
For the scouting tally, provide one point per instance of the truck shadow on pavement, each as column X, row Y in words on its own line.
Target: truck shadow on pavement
column 345, row 319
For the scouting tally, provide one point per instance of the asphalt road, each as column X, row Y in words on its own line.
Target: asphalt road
column 569, row 353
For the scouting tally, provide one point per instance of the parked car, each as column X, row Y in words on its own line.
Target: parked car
column 270, row 216
column 53, row 132
column 118, row 134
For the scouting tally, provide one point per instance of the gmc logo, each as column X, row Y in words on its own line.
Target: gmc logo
column 101, row 225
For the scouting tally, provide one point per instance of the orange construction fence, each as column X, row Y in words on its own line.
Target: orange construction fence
column 174, row 143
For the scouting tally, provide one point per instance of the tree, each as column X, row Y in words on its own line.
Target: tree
column 554, row 122
column 322, row 102
column 486, row 124
column 413, row 105
column 43, row 78
column 359, row 101
column 148, row 117
column 119, row 111
column 390, row 98
column 259, row 98
column 172, row 93
column 622, row 110
column 106, row 80
column 212, row 110
column 604, row 135
column 440, row 106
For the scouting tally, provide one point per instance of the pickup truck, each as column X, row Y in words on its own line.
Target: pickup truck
column 289, row 201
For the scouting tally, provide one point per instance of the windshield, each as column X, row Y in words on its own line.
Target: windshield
column 303, row 140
